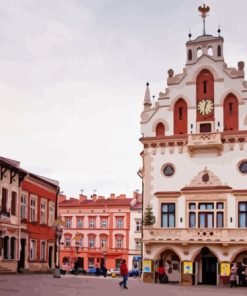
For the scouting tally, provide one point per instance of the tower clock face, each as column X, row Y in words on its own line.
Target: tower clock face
column 205, row 107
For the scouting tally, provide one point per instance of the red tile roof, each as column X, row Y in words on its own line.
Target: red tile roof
column 100, row 202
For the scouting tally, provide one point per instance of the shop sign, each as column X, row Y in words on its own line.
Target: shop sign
column 147, row 265
column 225, row 268
column 188, row 267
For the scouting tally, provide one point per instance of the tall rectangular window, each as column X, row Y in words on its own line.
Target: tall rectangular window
column 168, row 215
column 4, row 200
column 68, row 222
column 204, row 86
column 180, row 113
column 33, row 209
column 67, row 241
column 103, row 242
column 242, row 214
column 104, row 223
column 23, row 206
column 91, row 223
column 119, row 243
column 91, row 242
column 51, row 213
column 192, row 220
column 33, row 249
column 79, row 223
column 43, row 215
column 119, row 223
column 13, row 203
column 138, row 225
column 42, row 251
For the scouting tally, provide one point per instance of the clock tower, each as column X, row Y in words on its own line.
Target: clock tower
column 195, row 167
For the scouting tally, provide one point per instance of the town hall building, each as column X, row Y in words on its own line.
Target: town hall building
column 195, row 167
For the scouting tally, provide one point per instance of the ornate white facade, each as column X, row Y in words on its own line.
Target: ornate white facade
column 195, row 165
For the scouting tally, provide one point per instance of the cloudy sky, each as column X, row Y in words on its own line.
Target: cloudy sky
column 73, row 75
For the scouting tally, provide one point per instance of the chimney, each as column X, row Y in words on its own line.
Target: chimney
column 94, row 197
column 122, row 196
column 61, row 198
column 101, row 197
column 82, row 197
column 112, row 196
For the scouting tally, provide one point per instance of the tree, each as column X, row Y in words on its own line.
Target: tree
column 149, row 218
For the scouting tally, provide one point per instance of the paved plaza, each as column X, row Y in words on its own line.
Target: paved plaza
column 69, row 285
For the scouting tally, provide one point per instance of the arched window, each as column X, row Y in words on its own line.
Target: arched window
column 180, row 117
column 231, row 113
column 189, row 54
column 199, row 52
column 219, row 51
column 205, row 96
column 210, row 51
column 160, row 129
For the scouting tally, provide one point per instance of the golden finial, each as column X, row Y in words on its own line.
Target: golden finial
column 204, row 10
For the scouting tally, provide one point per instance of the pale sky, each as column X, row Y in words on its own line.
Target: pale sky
column 73, row 75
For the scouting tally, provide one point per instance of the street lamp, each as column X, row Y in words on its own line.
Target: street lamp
column 57, row 226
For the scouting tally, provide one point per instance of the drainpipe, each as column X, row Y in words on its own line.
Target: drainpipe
column 56, row 213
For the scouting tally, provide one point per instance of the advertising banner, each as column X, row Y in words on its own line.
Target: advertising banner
column 188, row 267
column 225, row 268
column 147, row 265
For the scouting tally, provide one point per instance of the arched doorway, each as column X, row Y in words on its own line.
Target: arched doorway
column 171, row 262
column 241, row 260
column 205, row 266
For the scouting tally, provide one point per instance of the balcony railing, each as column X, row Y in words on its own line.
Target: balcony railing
column 4, row 214
column 182, row 235
column 205, row 141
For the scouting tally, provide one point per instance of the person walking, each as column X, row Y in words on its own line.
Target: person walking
column 233, row 275
column 124, row 273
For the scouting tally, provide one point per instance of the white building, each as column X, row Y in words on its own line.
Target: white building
column 195, row 166
column 135, row 233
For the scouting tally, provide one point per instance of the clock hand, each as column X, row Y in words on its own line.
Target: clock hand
column 205, row 107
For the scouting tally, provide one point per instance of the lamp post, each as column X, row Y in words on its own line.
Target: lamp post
column 57, row 226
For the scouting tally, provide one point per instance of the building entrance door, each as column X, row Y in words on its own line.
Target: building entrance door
column 209, row 270
column 80, row 262
column 22, row 253
column 50, row 256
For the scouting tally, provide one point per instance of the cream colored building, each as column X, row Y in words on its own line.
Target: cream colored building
column 195, row 166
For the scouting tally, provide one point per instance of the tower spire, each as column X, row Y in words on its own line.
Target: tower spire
column 147, row 100
column 204, row 10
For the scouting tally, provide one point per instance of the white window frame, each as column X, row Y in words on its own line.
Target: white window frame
column 119, row 223
column 51, row 218
column 91, row 223
column 68, row 222
column 67, row 240
column 104, row 223
column 24, row 199
column 33, row 208
column 119, row 243
column 42, row 251
column 91, row 242
column 33, row 249
column 79, row 225
column 138, row 244
column 103, row 242
column 138, row 225
column 43, row 211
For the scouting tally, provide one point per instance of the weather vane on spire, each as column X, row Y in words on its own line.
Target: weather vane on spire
column 204, row 10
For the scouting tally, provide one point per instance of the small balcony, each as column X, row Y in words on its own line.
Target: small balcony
column 206, row 142
column 196, row 235
column 4, row 215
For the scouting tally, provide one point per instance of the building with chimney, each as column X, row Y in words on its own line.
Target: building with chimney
column 195, row 167
column 97, row 230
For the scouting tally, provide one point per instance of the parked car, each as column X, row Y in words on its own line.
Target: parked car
column 134, row 273
column 91, row 269
column 77, row 271
column 115, row 271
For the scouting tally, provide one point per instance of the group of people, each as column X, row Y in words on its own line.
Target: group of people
column 238, row 275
